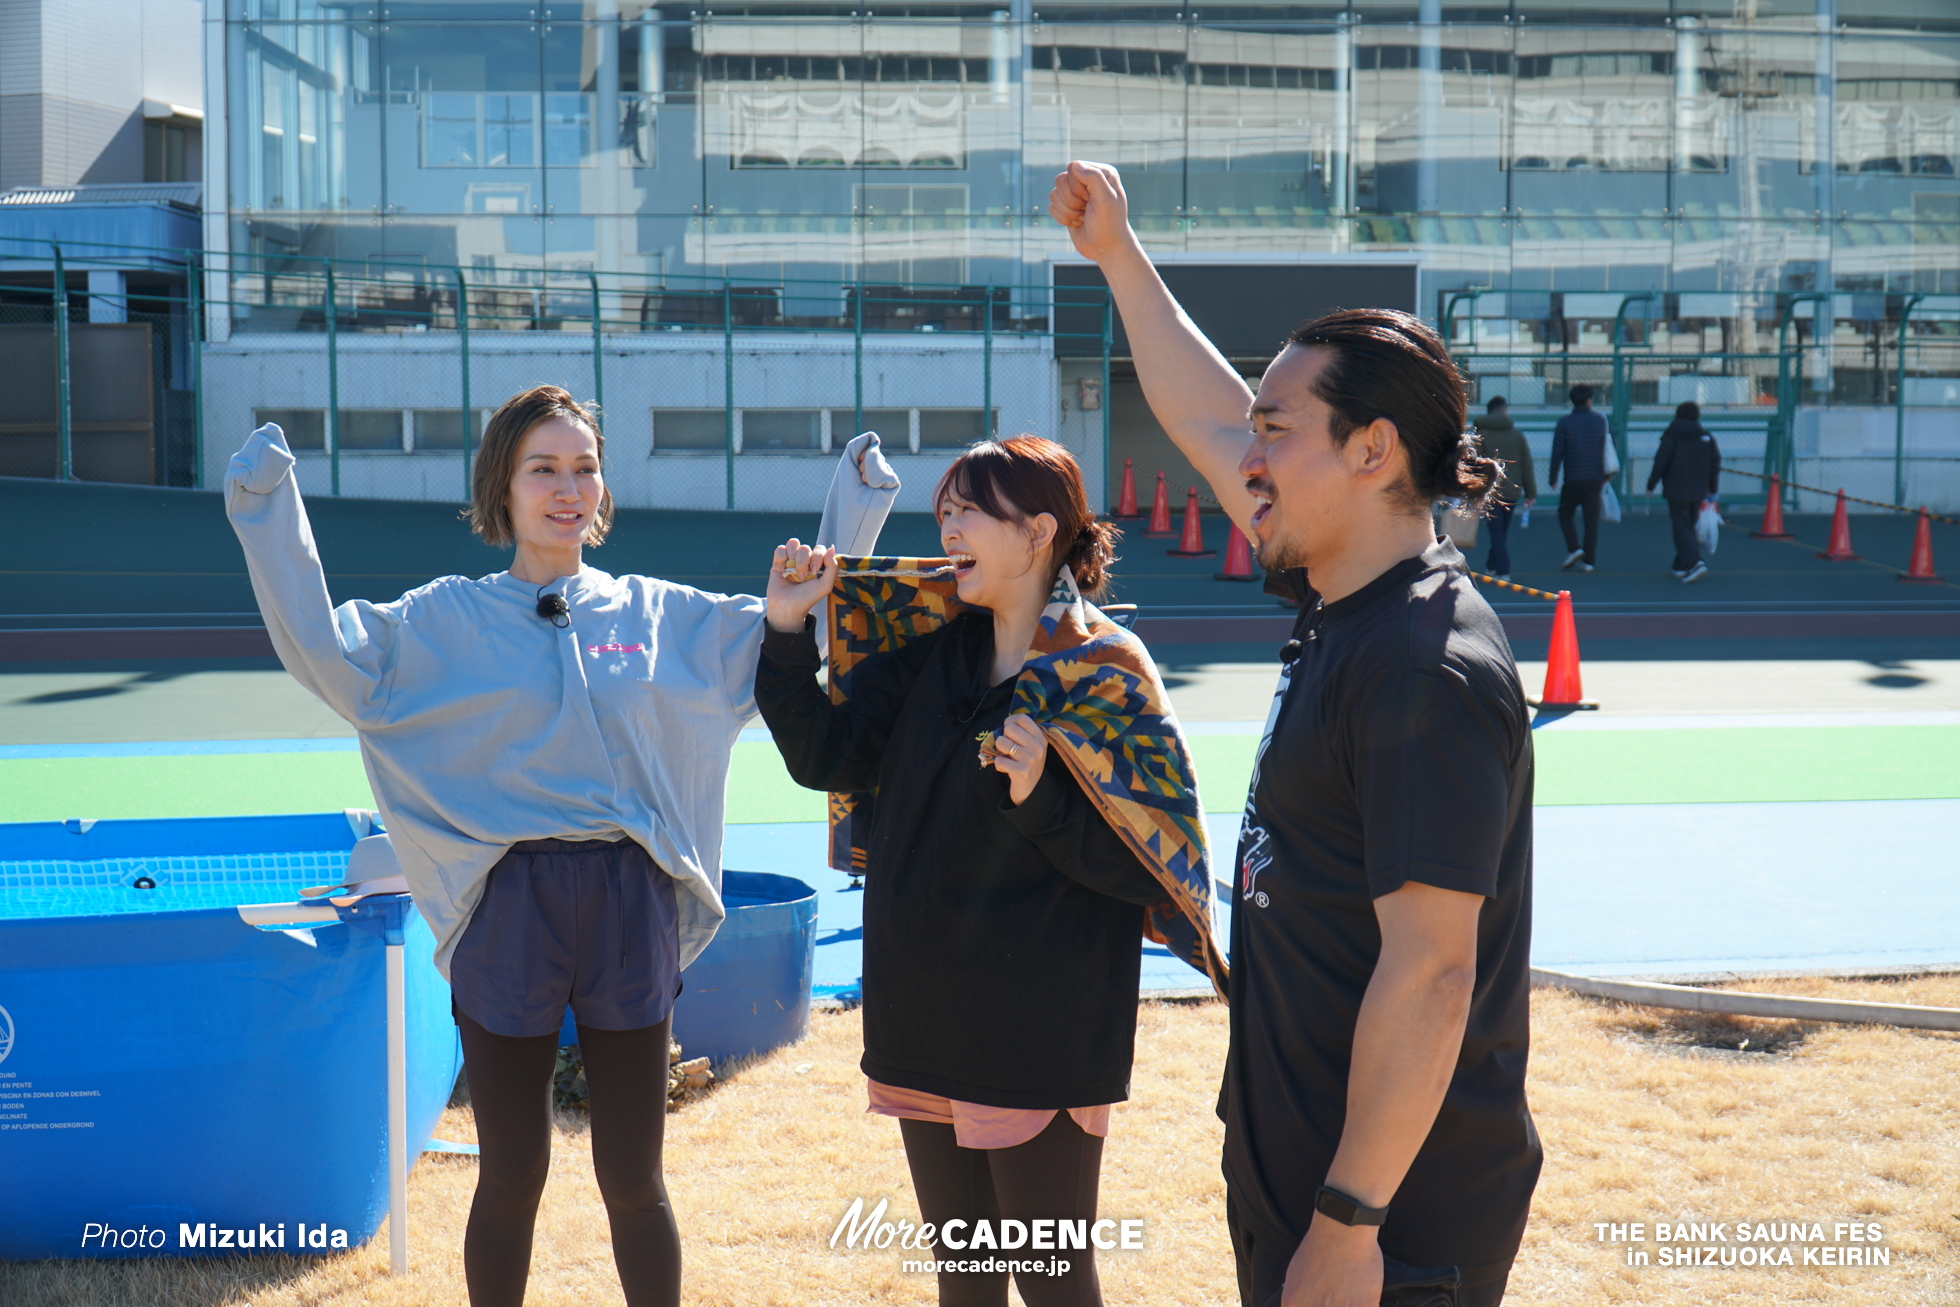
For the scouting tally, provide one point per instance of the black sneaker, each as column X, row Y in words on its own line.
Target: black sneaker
column 1572, row 558
column 1694, row 573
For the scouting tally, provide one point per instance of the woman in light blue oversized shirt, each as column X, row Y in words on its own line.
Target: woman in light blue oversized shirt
column 549, row 747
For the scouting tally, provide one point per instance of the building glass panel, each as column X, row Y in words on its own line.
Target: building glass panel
column 1554, row 154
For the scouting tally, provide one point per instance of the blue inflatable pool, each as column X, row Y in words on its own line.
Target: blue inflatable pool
column 749, row 991
column 177, row 1082
column 174, row 1081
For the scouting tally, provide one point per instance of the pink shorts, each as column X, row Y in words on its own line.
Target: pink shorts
column 975, row 1125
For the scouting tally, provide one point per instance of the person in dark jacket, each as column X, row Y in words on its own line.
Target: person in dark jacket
column 1499, row 438
column 1687, row 468
column 1579, row 448
column 1003, row 916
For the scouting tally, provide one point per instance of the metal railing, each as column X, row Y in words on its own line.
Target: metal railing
column 642, row 321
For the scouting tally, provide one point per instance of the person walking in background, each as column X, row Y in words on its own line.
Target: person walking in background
column 1687, row 467
column 1500, row 439
column 1579, row 447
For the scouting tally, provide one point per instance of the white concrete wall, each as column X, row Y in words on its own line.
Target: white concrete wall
column 73, row 78
column 414, row 370
column 1854, row 449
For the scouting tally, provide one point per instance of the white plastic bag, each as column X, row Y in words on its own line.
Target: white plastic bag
column 1609, row 503
column 1708, row 527
column 1612, row 458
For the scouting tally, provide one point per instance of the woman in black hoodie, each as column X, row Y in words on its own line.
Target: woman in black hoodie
column 1003, row 916
column 1687, row 468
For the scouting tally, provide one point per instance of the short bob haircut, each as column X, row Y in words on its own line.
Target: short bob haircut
column 1026, row 476
column 496, row 462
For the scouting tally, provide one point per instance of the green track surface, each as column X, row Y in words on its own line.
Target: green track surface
column 1574, row 767
column 1749, row 765
column 241, row 784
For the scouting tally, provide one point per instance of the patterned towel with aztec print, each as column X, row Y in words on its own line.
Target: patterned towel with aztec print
column 1092, row 687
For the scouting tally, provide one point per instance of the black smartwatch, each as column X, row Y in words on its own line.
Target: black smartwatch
column 1345, row 1209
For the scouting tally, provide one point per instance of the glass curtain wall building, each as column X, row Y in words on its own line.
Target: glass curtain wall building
column 1754, row 170
column 1745, row 147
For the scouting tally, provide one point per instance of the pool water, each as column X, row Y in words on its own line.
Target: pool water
column 107, row 886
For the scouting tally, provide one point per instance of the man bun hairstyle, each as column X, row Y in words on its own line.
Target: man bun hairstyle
column 496, row 462
column 1384, row 363
column 1023, row 477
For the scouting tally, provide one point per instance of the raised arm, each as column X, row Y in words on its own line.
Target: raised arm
column 825, row 745
column 1199, row 398
column 342, row 655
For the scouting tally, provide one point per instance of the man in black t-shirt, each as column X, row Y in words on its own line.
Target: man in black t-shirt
column 1376, row 1134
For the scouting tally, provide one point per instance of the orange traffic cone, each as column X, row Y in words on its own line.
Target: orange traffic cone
column 1160, row 512
column 1773, row 513
column 1921, row 567
column 1193, row 543
column 1562, row 689
column 1840, row 546
column 1238, row 558
column 1126, row 499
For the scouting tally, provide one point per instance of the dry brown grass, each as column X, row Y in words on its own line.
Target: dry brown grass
column 1644, row 1117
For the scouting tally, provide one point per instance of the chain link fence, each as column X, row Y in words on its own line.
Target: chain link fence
column 714, row 393
column 1905, row 453
column 731, row 392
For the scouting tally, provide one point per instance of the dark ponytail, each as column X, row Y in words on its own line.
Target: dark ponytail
column 1090, row 557
column 1473, row 473
column 1388, row 364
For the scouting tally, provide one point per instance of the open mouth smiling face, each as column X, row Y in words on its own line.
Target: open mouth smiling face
column 1263, row 499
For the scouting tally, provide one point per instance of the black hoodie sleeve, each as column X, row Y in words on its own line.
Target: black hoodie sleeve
column 1058, row 818
column 1662, row 458
column 826, row 746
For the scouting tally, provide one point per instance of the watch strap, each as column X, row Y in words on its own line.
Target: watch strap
column 1346, row 1209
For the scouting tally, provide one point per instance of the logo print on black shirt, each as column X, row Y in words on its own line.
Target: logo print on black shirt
column 1255, row 843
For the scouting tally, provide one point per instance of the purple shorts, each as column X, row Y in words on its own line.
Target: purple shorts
column 581, row 923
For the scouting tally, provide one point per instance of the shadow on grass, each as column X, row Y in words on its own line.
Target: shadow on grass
column 150, row 1281
column 1710, row 1034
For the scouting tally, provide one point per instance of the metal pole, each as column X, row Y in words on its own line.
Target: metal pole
column 1899, row 407
column 857, row 403
column 195, row 329
column 1109, row 309
column 397, row 1100
column 1779, row 450
column 598, row 355
column 987, row 431
column 65, row 453
column 1622, row 400
column 463, row 335
column 728, row 386
column 1449, row 312
column 333, row 381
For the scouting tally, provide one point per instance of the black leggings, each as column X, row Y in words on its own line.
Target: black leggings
column 1052, row 1176
column 510, row 1090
